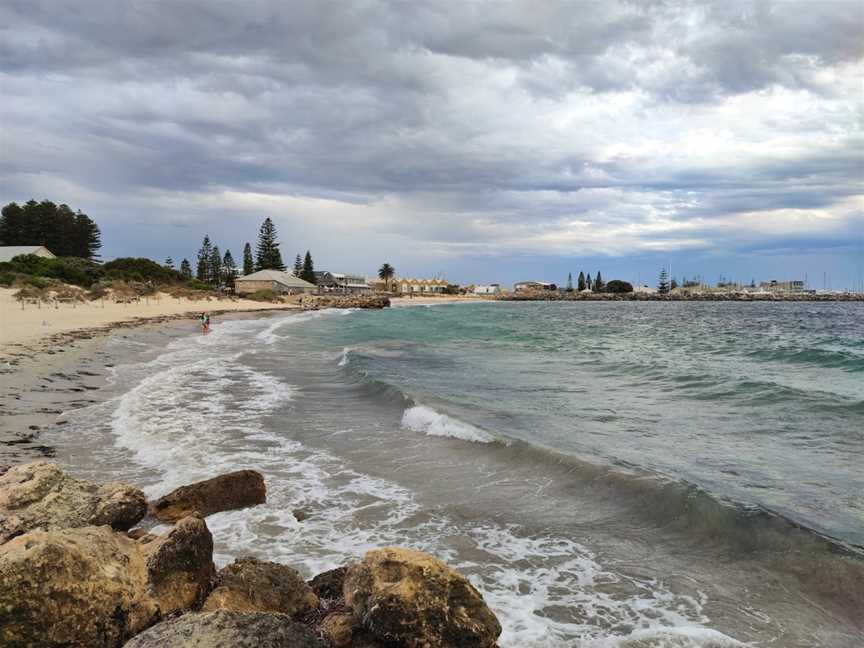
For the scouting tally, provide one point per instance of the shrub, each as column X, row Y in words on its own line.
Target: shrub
column 618, row 286
column 141, row 269
column 266, row 295
column 7, row 278
column 71, row 270
column 194, row 284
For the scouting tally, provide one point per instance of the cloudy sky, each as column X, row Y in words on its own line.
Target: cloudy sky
column 485, row 140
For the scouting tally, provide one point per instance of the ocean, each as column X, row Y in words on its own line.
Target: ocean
column 607, row 474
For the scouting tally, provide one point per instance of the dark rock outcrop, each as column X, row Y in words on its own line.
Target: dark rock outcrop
column 411, row 599
column 234, row 490
column 39, row 495
column 319, row 302
column 328, row 585
column 223, row 629
column 252, row 585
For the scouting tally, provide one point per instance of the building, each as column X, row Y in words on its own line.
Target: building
column 782, row 286
column 9, row 252
column 421, row 286
column 490, row 289
column 532, row 285
column 342, row 283
column 279, row 282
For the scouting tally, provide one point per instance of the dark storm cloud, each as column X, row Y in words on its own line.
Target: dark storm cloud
column 461, row 124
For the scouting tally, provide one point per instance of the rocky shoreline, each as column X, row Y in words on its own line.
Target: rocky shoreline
column 77, row 570
column 549, row 295
column 320, row 302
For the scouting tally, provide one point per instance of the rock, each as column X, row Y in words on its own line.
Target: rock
column 252, row 585
column 319, row 302
column 411, row 599
column 94, row 587
column 223, row 629
column 180, row 564
column 39, row 495
column 119, row 505
column 234, row 490
column 328, row 585
column 299, row 515
column 342, row 630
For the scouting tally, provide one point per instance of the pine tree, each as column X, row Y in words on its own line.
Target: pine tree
column 57, row 227
column 186, row 269
column 229, row 270
column 598, row 283
column 569, row 282
column 268, row 255
column 674, row 284
column 214, row 268
column 203, row 268
column 663, row 283
column 580, row 283
column 588, row 281
column 169, row 263
column 298, row 265
column 248, row 261
column 308, row 271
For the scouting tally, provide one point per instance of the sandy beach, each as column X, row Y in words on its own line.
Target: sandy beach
column 32, row 323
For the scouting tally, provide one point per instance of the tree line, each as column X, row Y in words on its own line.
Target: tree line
column 220, row 271
column 64, row 232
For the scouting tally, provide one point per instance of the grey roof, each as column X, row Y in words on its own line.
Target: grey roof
column 285, row 278
column 9, row 252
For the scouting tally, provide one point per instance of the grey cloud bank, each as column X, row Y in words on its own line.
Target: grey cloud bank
column 487, row 139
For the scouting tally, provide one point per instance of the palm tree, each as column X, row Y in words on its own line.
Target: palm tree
column 385, row 273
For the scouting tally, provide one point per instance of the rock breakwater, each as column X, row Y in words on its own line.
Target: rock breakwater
column 320, row 302
column 72, row 573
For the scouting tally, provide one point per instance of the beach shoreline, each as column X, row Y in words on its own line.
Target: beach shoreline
column 42, row 377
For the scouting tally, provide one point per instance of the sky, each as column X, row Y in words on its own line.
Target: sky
column 480, row 141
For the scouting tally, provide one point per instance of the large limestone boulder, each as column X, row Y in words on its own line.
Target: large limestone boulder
column 94, row 587
column 234, row 490
column 223, row 629
column 411, row 599
column 39, row 495
column 252, row 585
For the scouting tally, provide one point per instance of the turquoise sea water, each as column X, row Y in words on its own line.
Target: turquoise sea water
column 607, row 474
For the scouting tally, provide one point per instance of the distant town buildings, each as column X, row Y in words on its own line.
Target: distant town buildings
column 489, row 289
column 342, row 283
column 782, row 286
column 282, row 283
column 421, row 286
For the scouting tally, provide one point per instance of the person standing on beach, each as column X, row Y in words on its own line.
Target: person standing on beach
column 205, row 322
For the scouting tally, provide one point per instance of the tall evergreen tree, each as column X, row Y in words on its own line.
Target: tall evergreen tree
column 663, row 283
column 186, row 269
column 569, row 282
column 598, row 283
column 268, row 255
column 298, row 265
column 308, row 271
column 580, row 283
column 202, row 271
column 229, row 270
column 588, row 281
column 214, row 268
column 248, row 261
column 169, row 263
column 57, row 227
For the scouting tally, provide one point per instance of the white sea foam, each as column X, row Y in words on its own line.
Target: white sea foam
column 343, row 359
column 424, row 419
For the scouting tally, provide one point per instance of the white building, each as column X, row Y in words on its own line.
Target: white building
column 490, row 289
column 9, row 252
